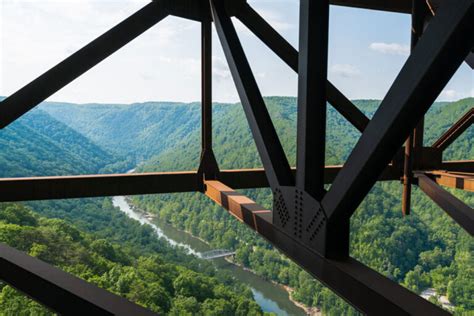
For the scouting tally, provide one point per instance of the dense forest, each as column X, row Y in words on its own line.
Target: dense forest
column 424, row 250
column 145, row 276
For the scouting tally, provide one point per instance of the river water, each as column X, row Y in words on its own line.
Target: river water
column 270, row 297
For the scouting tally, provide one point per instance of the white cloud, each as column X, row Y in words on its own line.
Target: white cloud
column 345, row 70
column 220, row 69
column 449, row 95
column 391, row 48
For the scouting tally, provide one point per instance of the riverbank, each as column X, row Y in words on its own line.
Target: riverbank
column 310, row 311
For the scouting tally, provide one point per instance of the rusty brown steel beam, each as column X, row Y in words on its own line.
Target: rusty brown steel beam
column 82, row 186
column 455, row 208
column 364, row 288
column 398, row 6
column 47, row 188
column 255, row 178
column 455, row 131
column 456, row 180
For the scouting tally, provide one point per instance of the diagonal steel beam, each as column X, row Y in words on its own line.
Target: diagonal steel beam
column 269, row 147
column 365, row 289
column 312, row 78
column 438, row 54
column 273, row 40
column 455, row 208
column 77, row 64
column 61, row 291
column 455, row 131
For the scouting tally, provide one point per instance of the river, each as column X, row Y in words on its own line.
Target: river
column 270, row 297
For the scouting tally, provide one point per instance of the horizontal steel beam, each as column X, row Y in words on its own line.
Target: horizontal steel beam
column 367, row 290
column 458, row 165
column 455, row 208
column 67, row 187
column 399, row 6
column 462, row 181
column 58, row 290
column 48, row 188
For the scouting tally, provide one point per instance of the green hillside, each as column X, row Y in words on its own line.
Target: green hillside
column 137, row 130
column 37, row 144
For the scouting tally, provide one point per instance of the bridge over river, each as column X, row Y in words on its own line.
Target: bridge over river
column 216, row 253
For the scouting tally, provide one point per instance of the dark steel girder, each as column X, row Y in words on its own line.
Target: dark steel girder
column 68, row 187
column 455, row 208
column 268, row 144
column 208, row 167
column 312, row 78
column 365, row 289
column 84, row 186
column 455, row 131
column 438, row 54
column 77, row 64
column 60, row 291
column 273, row 40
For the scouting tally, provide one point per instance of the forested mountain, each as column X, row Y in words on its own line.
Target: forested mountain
column 137, row 130
column 423, row 250
column 37, row 144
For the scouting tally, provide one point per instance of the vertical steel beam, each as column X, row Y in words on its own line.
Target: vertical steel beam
column 439, row 53
column 208, row 167
column 414, row 143
column 312, row 78
column 269, row 147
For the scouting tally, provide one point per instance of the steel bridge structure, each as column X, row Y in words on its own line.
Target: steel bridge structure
column 308, row 223
column 217, row 253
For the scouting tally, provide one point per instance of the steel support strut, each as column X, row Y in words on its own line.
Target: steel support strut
column 208, row 167
column 264, row 31
column 269, row 147
column 77, row 64
column 368, row 291
column 414, row 143
column 312, row 78
column 60, row 291
column 439, row 53
column 455, row 208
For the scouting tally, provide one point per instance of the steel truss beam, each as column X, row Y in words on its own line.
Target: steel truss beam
column 270, row 37
column 433, row 62
column 368, row 291
column 455, row 131
column 458, row 210
column 437, row 56
column 268, row 144
column 77, row 64
column 312, row 78
column 59, row 290
column 84, row 186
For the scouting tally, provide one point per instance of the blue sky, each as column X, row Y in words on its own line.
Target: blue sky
column 367, row 49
